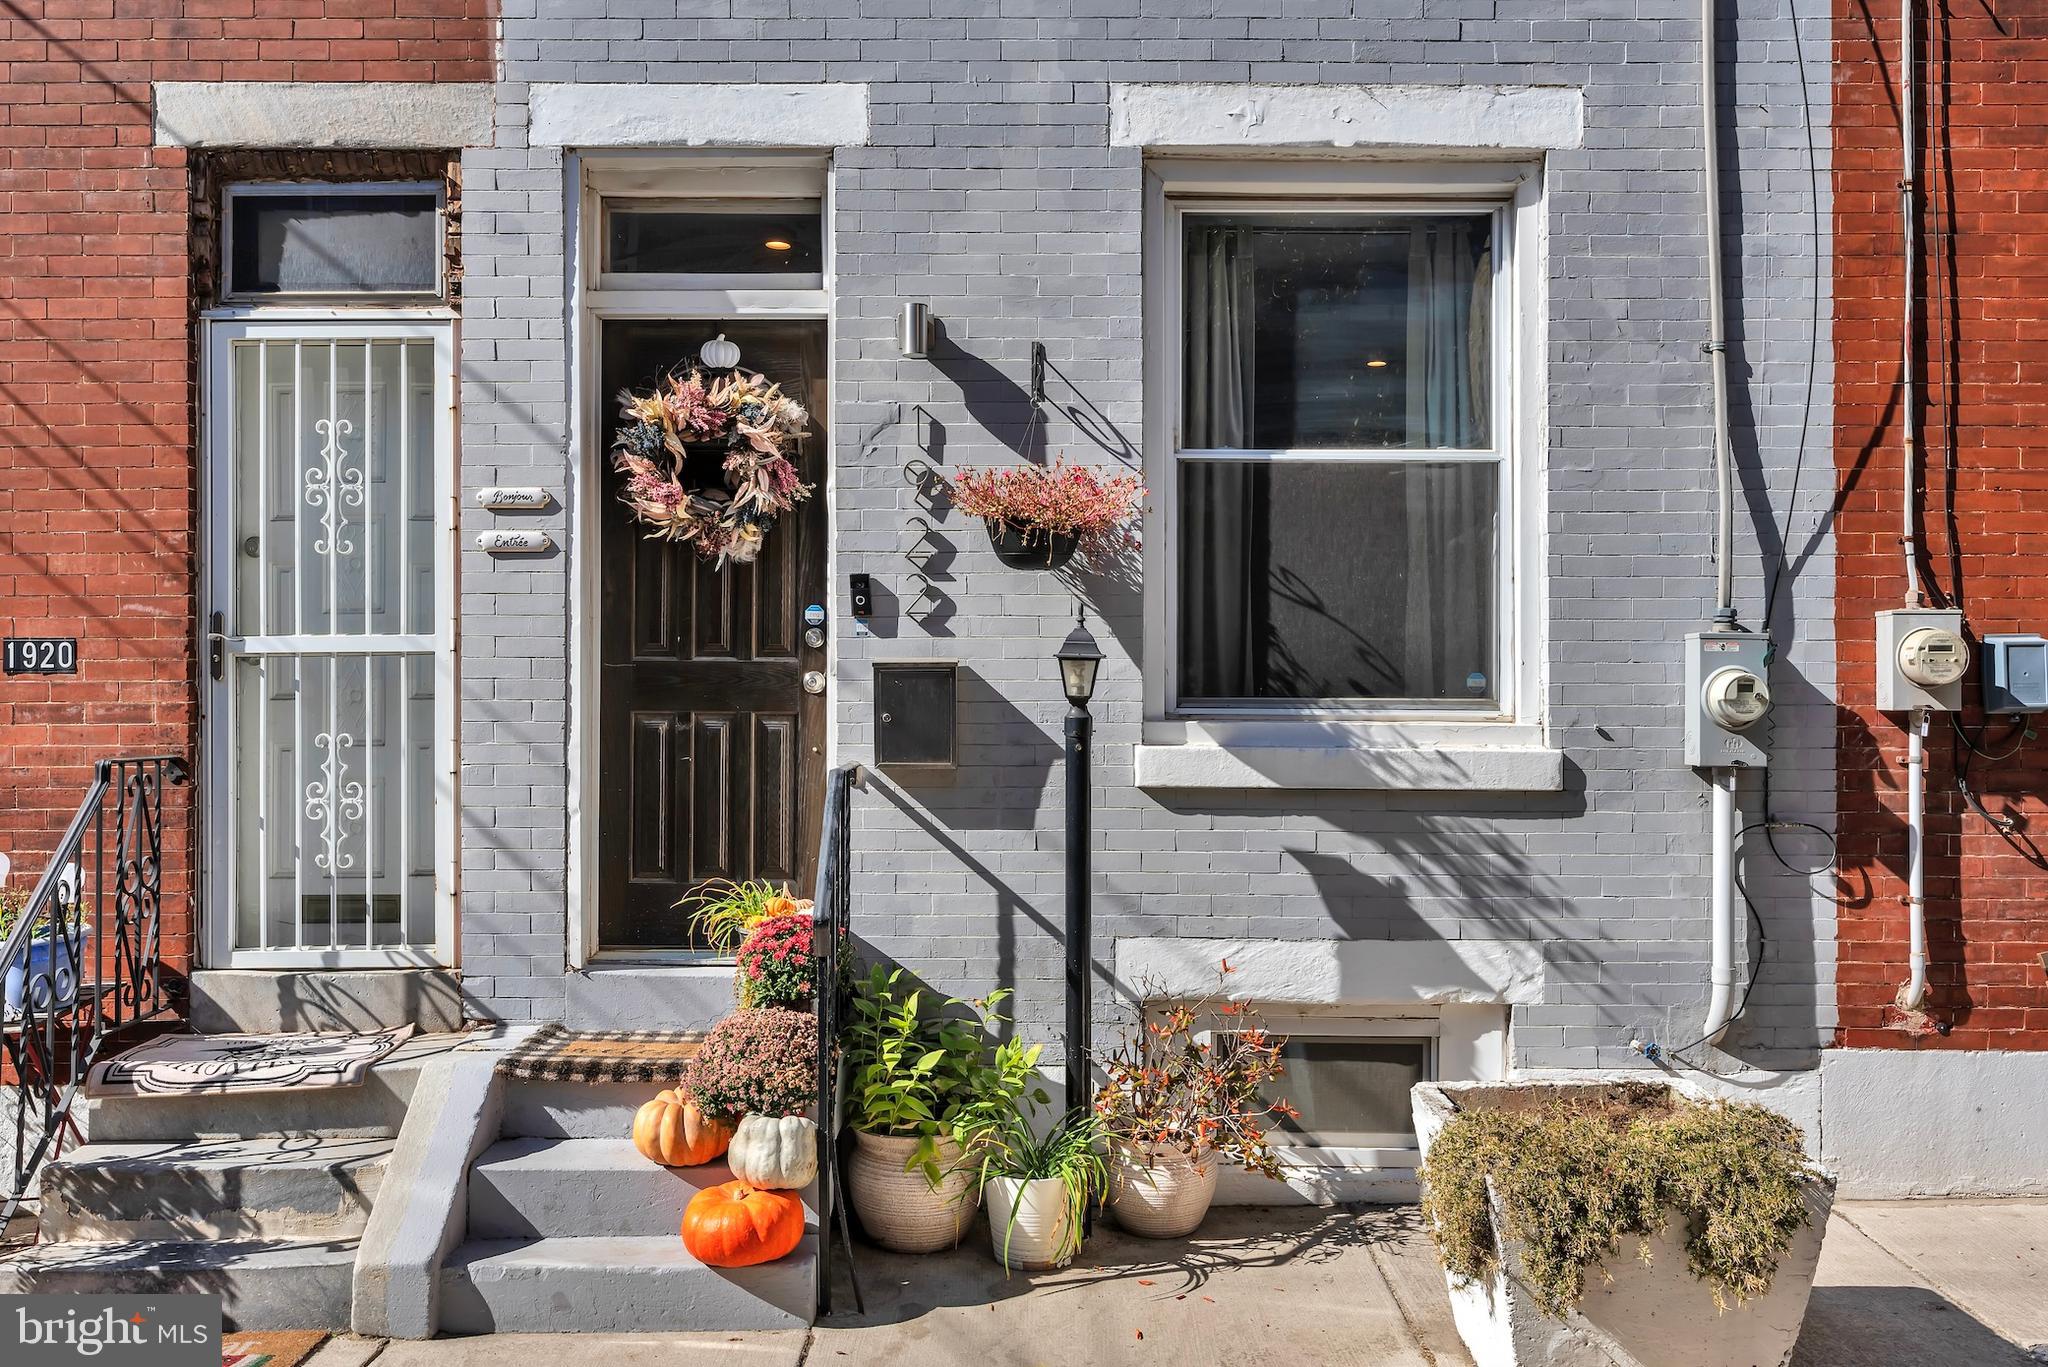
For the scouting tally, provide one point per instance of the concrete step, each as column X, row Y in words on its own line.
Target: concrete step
column 227, row 1001
column 573, row 1110
column 563, row 1188
column 372, row 1110
column 263, row 1284
column 213, row 1189
column 619, row 1285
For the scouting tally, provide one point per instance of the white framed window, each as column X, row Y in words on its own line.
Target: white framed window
column 352, row 242
column 743, row 232
column 1342, row 436
column 1349, row 1078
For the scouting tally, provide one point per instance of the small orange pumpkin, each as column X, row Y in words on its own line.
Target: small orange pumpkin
column 735, row 1225
column 671, row 1131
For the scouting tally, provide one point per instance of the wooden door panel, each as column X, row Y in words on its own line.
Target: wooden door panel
column 711, row 755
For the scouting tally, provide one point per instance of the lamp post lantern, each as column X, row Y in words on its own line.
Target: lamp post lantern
column 1079, row 659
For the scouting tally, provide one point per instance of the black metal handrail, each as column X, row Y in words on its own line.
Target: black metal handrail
column 830, row 915
column 94, row 917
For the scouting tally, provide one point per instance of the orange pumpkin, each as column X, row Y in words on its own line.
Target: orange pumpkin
column 672, row 1131
column 735, row 1225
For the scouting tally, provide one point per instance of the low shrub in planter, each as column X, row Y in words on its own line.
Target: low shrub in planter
column 757, row 1062
column 1575, row 1179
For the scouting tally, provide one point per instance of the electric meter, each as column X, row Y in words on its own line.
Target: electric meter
column 1933, row 657
column 1736, row 698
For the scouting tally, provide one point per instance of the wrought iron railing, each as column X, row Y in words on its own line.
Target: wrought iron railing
column 830, row 933
column 81, row 960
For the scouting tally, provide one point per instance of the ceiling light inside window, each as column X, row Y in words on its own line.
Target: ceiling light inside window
column 1376, row 363
column 776, row 244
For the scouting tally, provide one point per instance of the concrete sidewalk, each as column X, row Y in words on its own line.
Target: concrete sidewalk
column 1902, row 1284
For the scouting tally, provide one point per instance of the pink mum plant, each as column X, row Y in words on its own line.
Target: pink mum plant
column 1098, row 508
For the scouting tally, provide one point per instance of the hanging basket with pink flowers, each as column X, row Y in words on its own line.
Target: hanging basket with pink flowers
column 707, row 460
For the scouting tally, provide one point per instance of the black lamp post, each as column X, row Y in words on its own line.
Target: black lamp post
column 1079, row 659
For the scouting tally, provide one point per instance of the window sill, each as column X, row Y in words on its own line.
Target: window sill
column 1437, row 768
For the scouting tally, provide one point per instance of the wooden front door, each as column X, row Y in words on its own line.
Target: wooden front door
column 711, row 757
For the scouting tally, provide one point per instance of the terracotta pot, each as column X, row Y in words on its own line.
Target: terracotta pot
column 1029, row 549
column 1029, row 1224
column 899, row 1209
column 1162, row 1193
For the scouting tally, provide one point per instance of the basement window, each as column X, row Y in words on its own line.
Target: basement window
column 308, row 241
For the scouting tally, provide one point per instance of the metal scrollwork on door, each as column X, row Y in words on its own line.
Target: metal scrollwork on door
column 332, row 485
column 329, row 802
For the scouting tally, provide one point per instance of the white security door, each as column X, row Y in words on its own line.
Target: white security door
column 330, row 644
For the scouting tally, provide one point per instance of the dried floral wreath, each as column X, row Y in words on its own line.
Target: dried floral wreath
column 751, row 420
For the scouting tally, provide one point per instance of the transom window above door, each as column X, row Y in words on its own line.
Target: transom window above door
column 1340, row 477
column 354, row 242
column 711, row 237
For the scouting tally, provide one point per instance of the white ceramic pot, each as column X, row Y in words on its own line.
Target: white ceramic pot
column 1161, row 1193
column 1654, row 1314
column 901, row 1210
column 1029, row 1224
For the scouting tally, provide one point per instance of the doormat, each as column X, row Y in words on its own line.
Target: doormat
column 208, row 1065
column 556, row 1054
column 284, row 1348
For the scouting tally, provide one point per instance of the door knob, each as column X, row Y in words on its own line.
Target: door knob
column 814, row 681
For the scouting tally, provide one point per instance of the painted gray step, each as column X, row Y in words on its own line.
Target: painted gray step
column 573, row 1110
column 560, row 1188
column 268, row 1001
column 372, row 1110
column 214, row 1189
column 263, row 1284
column 599, row 1286
column 647, row 996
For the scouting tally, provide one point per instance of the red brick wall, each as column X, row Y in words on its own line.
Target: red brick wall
column 97, row 477
column 1986, row 533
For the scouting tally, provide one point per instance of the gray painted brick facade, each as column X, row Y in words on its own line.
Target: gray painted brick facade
column 990, row 190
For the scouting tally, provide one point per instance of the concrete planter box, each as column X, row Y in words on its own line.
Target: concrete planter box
column 1649, row 1315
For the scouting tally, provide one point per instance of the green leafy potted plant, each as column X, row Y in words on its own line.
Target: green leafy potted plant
column 1178, row 1098
column 914, row 1078
column 1038, row 1187
column 1593, row 1223
column 723, row 912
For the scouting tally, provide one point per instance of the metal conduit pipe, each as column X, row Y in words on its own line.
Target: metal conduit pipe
column 1716, row 345
column 1913, row 996
column 1909, row 226
column 1721, row 975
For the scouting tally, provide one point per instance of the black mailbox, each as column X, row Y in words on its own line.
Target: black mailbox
column 914, row 713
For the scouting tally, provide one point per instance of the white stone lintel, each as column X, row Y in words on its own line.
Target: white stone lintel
column 1222, row 116
column 701, row 115
column 1334, row 972
column 1443, row 768
column 384, row 115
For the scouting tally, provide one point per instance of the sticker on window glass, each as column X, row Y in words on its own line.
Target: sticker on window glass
column 1475, row 682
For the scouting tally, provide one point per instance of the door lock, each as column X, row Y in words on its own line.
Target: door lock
column 216, row 646
column 814, row 637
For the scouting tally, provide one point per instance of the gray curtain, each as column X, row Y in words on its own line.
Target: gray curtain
column 1450, row 304
column 1222, row 560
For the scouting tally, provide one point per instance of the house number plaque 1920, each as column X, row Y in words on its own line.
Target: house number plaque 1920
column 40, row 655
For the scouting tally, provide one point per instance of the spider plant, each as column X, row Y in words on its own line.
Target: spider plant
column 723, row 911
column 1070, row 1153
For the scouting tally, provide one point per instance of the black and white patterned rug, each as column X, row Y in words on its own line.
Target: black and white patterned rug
column 209, row 1065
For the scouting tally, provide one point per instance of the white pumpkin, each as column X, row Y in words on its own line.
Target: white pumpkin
column 774, row 1153
column 719, row 354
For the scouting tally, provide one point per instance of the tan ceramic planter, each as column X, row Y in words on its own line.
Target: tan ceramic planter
column 899, row 1209
column 1164, row 1198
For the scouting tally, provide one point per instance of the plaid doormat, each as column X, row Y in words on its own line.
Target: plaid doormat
column 556, row 1054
